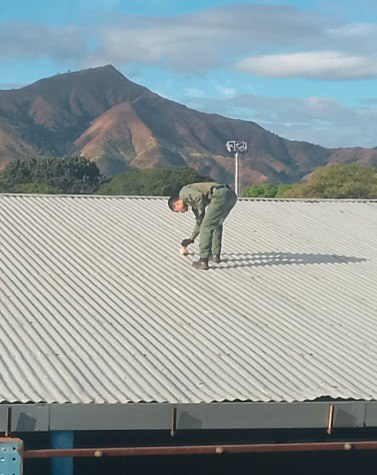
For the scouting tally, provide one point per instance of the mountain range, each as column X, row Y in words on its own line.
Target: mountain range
column 118, row 124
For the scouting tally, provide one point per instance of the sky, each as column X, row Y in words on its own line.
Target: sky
column 305, row 70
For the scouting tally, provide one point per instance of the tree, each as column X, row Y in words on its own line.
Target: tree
column 152, row 181
column 265, row 190
column 337, row 181
column 41, row 188
column 59, row 175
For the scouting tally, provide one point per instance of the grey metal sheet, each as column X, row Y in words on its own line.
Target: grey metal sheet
column 30, row 418
column 349, row 415
column 253, row 416
column 371, row 414
column 3, row 418
column 110, row 417
column 190, row 416
column 97, row 306
column 212, row 416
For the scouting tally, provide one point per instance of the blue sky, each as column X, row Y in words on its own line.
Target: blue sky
column 306, row 70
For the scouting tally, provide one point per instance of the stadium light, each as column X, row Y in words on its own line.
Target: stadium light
column 237, row 147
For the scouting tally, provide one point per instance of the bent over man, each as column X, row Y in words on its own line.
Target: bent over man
column 220, row 200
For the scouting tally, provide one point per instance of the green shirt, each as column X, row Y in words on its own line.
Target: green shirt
column 198, row 196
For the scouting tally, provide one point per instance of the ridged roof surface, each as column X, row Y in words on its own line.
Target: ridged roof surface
column 97, row 305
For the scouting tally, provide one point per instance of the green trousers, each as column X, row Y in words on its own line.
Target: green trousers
column 211, row 228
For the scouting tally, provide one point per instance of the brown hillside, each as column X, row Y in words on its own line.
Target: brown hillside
column 102, row 115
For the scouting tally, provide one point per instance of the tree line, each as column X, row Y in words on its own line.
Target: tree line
column 334, row 181
column 77, row 175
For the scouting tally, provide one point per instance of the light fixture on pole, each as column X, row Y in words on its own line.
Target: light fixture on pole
column 237, row 147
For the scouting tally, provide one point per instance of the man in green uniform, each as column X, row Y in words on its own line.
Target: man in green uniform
column 220, row 200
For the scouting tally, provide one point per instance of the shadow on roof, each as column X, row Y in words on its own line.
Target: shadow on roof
column 261, row 259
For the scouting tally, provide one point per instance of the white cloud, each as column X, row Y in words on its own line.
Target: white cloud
column 279, row 41
column 226, row 91
column 310, row 64
column 319, row 120
column 204, row 40
column 31, row 41
column 354, row 30
column 194, row 92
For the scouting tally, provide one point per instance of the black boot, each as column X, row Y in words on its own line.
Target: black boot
column 202, row 263
column 216, row 259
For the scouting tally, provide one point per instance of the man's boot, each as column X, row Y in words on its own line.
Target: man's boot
column 202, row 263
column 216, row 259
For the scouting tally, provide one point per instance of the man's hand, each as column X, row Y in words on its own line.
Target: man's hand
column 186, row 242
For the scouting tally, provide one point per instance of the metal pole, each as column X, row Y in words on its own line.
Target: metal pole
column 204, row 449
column 62, row 440
column 236, row 173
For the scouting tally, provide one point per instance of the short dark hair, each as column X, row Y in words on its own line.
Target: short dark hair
column 172, row 200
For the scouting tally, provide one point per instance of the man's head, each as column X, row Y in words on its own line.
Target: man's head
column 177, row 205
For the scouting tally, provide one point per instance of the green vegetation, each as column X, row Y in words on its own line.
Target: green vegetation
column 152, row 181
column 266, row 190
column 337, row 181
column 40, row 188
column 77, row 175
column 51, row 175
column 332, row 181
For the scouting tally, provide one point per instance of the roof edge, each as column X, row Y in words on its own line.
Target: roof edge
column 148, row 197
column 201, row 416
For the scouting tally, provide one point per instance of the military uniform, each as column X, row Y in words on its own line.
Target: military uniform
column 220, row 200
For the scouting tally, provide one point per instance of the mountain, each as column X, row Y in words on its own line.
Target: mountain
column 107, row 118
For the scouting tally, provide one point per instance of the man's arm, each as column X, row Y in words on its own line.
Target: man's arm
column 198, row 219
column 194, row 199
column 198, row 209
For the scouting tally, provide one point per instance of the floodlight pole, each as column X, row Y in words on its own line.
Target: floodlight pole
column 236, row 146
column 237, row 173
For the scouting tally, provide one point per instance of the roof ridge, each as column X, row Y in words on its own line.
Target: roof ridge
column 149, row 197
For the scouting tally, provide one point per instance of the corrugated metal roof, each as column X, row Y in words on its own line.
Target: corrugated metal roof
column 97, row 305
